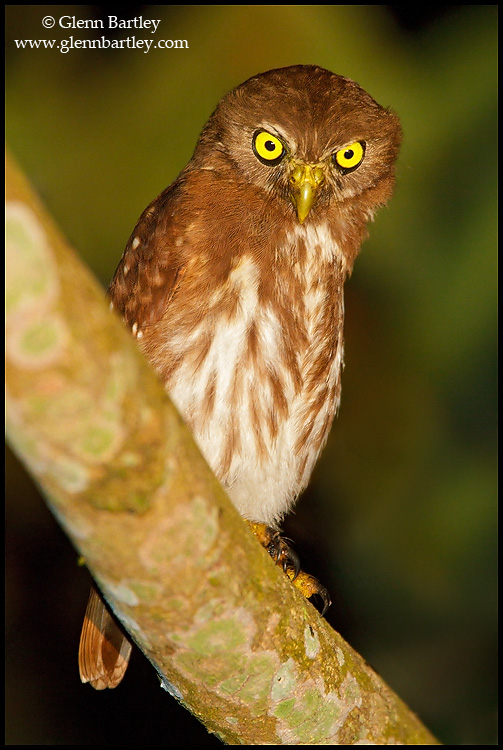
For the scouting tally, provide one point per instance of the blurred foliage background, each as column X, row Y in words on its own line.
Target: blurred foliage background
column 400, row 520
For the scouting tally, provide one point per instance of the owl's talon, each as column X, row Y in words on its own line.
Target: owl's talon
column 284, row 555
column 325, row 598
column 310, row 586
column 278, row 547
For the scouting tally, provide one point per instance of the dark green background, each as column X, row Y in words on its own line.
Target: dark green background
column 400, row 520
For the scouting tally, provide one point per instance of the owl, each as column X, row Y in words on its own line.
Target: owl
column 232, row 285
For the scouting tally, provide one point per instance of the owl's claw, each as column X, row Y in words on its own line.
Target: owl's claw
column 283, row 554
column 278, row 547
column 310, row 586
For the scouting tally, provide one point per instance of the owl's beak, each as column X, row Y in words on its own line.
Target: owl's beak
column 305, row 183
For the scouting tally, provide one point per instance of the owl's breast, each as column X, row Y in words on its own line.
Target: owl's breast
column 258, row 377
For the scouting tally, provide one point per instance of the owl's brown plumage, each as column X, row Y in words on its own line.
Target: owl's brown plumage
column 232, row 281
column 237, row 303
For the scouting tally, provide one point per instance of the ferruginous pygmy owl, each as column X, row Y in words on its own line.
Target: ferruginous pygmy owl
column 232, row 284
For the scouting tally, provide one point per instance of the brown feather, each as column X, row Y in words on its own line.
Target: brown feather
column 104, row 650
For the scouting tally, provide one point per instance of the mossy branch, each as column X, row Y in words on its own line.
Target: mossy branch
column 228, row 633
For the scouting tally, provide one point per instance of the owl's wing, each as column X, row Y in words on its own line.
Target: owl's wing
column 150, row 268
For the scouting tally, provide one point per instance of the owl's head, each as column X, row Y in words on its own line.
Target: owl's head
column 306, row 136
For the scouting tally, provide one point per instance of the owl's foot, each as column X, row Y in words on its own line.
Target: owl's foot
column 278, row 548
column 282, row 554
column 310, row 586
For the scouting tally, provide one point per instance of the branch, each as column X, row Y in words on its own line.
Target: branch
column 230, row 636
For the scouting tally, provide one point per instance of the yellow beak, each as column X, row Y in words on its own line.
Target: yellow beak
column 305, row 181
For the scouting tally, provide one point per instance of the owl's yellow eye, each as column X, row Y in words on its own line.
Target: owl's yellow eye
column 350, row 157
column 267, row 148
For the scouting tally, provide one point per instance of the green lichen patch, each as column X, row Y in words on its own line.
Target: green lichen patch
column 284, row 681
column 311, row 720
column 29, row 262
column 222, row 635
column 284, row 708
column 257, row 673
column 35, row 343
column 306, row 713
column 217, row 653
column 145, row 592
column 99, row 441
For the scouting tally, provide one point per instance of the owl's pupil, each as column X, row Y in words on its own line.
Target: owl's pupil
column 270, row 145
column 349, row 153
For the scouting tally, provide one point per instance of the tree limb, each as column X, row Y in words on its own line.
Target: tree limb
column 229, row 635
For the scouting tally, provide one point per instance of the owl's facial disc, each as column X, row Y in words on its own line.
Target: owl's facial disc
column 305, row 183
